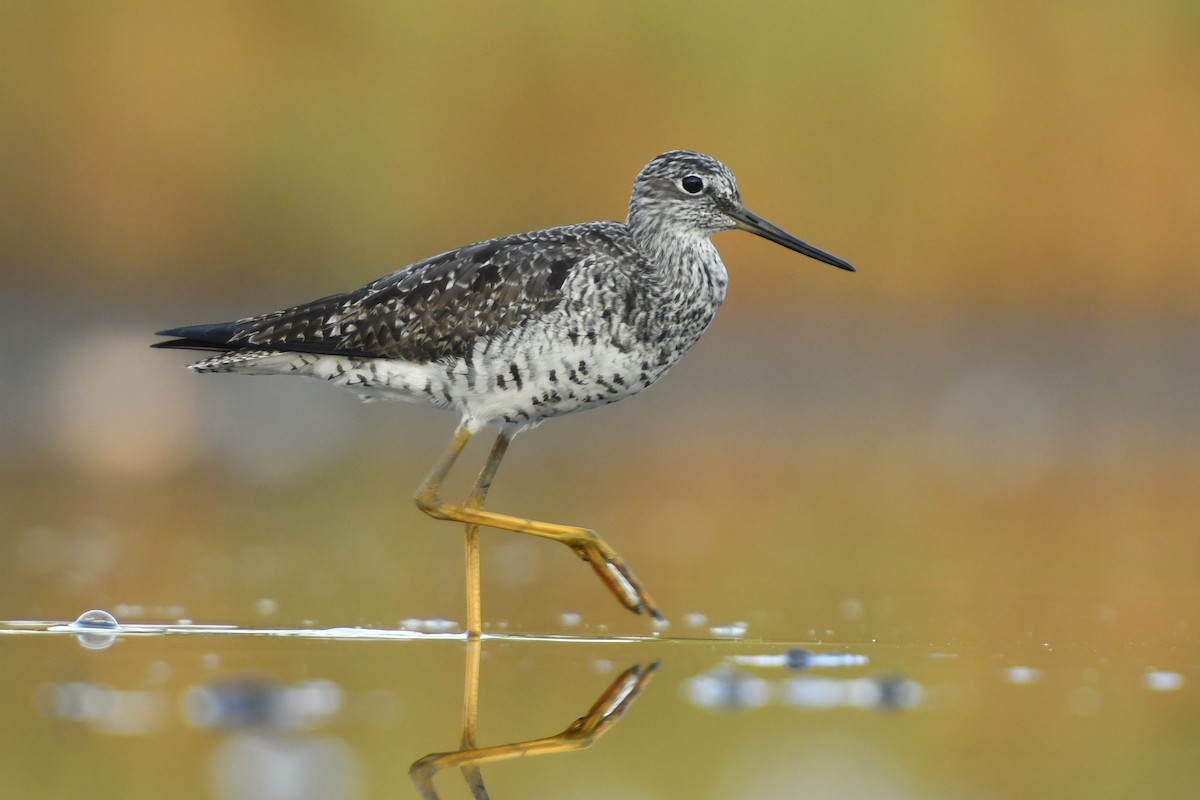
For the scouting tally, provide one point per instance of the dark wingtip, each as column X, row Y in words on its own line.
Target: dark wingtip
column 188, row 344
column 198, row 337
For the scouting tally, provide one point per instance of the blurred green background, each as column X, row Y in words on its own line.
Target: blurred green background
column 997, row 412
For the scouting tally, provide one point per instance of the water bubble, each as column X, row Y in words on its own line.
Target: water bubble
column 266, row 607
column 569, row 619
column 695, row 620
column 96, row 629
column 97, row 619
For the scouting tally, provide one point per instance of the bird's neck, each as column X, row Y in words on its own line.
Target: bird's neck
column 682, row 258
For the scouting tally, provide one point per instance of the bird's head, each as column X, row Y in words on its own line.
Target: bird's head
column 684, row 193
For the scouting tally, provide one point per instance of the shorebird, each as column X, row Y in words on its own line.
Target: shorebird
column 516, row 330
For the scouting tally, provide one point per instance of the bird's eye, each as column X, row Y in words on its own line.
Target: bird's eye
column 692, row 184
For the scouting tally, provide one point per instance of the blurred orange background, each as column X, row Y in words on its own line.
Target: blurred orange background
column 1003, row 398
column 985, row 443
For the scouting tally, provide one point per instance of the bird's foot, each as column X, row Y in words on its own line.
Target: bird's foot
column 615, row 573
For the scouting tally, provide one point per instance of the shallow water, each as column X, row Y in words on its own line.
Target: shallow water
column 226, row 712
column 975, row 550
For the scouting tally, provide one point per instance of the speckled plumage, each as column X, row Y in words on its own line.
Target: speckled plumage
column 519, row 329
column 515, row 329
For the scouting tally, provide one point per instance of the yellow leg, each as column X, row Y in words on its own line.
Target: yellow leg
column 475, row 501
column 470, row 719
column 581, row 733
column 587, row 544
column 470, row 715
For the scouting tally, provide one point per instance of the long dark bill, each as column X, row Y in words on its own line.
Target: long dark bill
column 755, row 224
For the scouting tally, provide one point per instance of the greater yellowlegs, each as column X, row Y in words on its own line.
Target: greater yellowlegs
column 515, row 330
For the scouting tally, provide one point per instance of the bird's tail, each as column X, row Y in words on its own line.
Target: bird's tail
column 200, row 337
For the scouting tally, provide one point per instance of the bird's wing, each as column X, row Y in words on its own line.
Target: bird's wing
column 431, row 309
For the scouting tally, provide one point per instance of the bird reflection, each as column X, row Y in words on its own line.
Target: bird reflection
column 604, row 713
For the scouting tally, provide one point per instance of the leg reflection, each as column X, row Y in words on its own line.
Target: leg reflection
column 581, row 733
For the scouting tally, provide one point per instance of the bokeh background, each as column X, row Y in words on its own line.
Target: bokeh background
column 986, row 441
column 997, row 411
